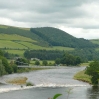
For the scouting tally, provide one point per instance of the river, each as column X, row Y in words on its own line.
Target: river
column 48, row 83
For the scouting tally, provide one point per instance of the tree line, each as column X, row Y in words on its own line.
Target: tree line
column 86, row 54
column 43, row 54
column 5, row 67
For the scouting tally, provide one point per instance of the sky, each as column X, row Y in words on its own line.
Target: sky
column 79, row 18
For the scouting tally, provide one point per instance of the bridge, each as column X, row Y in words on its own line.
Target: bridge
column 26, row 66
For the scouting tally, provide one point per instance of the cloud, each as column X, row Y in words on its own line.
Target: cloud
column 79, row 18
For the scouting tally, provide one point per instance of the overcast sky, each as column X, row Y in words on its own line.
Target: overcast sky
column 79, row 18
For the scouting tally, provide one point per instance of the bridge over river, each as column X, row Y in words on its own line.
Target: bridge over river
column 26, row 66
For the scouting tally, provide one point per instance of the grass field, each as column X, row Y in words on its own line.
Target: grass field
column 82, row 76
column 15, row 37
column 19, row 52
column 34, row 47
column 95, row 41
column 16, row 44
column 3, row 26
column 11, row 44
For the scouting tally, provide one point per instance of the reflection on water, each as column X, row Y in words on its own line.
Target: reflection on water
column 93, row 92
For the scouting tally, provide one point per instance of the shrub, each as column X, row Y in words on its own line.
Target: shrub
column 29, row 84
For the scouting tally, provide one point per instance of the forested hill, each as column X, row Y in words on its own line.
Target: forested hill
column 57, row 37
column 48, row 36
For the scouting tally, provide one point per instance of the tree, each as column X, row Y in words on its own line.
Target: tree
column 93, row 71
column 45, row 62
column 1, row 53
column 78, row 60
column 21, row 61
column 37, row 62
column 1, row 68
column 57, row 61
column 5, row 63
column 14, row 66
column 68, row 59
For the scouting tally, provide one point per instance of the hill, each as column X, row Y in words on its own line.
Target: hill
column 56, row 37
column 48, row 36
column 95, row 41
column 16, row 40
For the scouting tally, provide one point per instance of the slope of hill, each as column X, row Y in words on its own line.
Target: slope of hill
column 95, row 41
column 56, row 37
column 40, row 38
column 22, row 32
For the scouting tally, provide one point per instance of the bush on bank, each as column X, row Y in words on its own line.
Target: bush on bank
column 83, row 77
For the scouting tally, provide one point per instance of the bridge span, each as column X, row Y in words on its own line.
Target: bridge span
column 25, row 66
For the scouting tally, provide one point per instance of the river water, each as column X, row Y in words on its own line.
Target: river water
column 48, row 83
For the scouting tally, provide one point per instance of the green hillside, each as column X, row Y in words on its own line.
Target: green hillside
column 95, row 41
column 16, row 40
column 23, row 32
column 56, row 37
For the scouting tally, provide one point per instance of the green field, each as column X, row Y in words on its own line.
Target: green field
column 3, row 26
column 82, row 77
column 15, row 37
column 19, row 52
column 17, row 44
column 10, row 45
column 95, row 41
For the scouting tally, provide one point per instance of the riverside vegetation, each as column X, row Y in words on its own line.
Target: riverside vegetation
column 90, row 74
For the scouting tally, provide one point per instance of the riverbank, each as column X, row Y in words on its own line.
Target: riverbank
column 82, row 77
column 17, row 80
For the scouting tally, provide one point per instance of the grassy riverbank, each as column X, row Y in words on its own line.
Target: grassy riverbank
column 17, row 80
column 82, row 77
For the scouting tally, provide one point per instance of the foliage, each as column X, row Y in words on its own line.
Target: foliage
column 86, row 54
column 21, row 61
column 56, row 96
column 69, row 59
column 68, row 92
column 5, row 63
column 48, row 34
column 45, row 36
column 29, row 84
column 14, row 67
column 43, row 54
column 25, row 33
column 93, row 71
column 1, row 53
column 37, row 62
column 2, row 69
column 57, row 61
column 82, row 77
column 45, row 63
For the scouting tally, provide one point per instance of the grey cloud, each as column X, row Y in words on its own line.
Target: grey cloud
column 45, row 12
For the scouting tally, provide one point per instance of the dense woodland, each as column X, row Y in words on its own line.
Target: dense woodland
column 56, row 37
column 85, row 54
column 43, row 54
